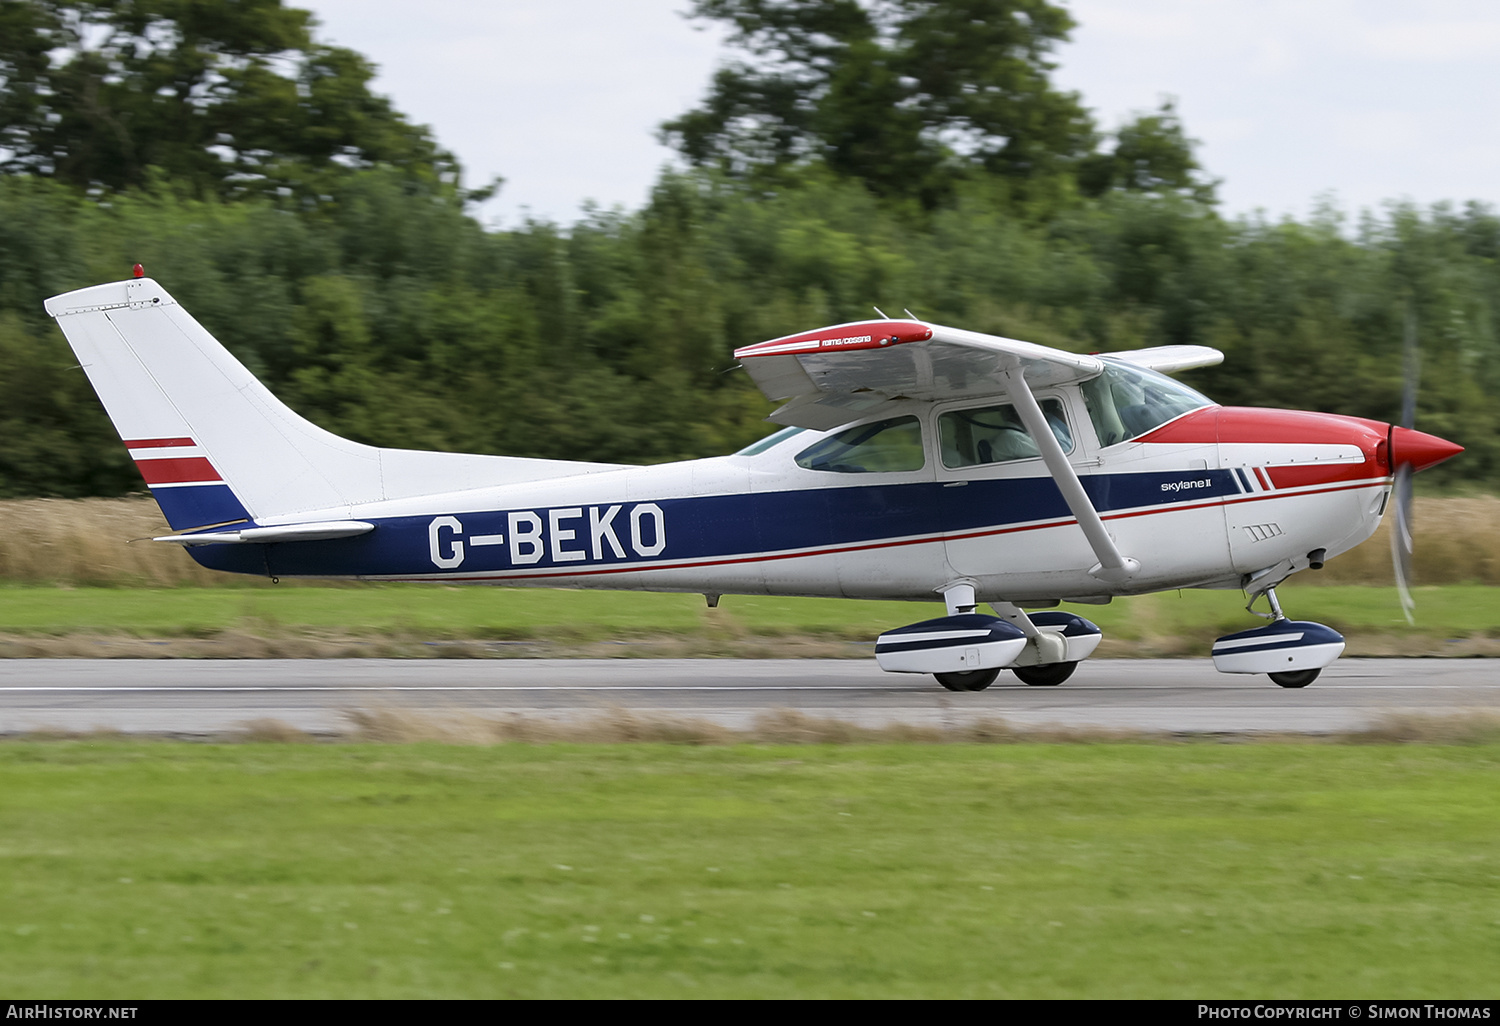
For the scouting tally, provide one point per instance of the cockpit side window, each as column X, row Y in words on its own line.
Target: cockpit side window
column 1127, row 401
column 995, row 434
column 880, row 447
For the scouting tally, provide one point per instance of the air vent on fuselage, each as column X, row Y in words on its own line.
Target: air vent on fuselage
column 1263, row 532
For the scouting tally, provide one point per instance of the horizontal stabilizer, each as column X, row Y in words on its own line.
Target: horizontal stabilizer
column 323, row 531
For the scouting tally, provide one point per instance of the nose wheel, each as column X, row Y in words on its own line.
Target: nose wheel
column 1291, row 652
column 1295, row 678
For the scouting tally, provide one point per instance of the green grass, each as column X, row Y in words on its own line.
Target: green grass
column 1195, row 617
column 474, row 612
column 155, row 870
column 1451, row 610
column 439, row 611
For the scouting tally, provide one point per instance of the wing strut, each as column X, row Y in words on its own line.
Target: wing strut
column 1113, row 568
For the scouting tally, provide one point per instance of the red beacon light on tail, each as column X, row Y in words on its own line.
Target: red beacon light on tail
column 137, row 271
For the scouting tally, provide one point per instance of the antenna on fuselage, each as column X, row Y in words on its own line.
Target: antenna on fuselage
column 910, row 314
column 881, row 312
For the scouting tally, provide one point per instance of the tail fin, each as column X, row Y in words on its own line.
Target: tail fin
column 216, row 446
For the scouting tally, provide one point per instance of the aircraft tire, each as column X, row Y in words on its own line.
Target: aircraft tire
column 972, row 680
column 1046, row 676
column 1295, row 678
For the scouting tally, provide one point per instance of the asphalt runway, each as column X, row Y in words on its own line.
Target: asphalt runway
column 207, row 697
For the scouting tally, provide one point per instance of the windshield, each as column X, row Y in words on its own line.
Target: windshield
column 1127, row 401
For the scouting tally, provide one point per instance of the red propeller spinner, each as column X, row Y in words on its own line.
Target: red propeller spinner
column 1419, row 449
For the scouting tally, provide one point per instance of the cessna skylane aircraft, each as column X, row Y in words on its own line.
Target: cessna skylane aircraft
column 915, row 461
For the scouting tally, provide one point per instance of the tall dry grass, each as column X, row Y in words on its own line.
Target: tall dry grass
column 1456, row 541
column 620, row 726
column 90, row 542
column 773, row 727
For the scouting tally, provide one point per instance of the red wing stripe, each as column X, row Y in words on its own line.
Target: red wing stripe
column 191, row 469
column 160, row 443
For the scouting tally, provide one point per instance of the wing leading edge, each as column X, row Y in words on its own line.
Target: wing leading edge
column 832, row 375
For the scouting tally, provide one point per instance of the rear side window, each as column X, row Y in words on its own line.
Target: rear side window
column 882, row 447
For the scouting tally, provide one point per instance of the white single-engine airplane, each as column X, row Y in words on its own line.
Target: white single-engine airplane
column 916, row 460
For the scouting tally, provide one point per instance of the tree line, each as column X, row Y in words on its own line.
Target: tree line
column 365, row 294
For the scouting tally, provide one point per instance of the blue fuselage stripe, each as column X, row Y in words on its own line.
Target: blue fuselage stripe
column 702, row 527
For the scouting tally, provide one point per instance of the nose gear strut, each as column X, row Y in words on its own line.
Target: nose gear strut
column 1271, row 600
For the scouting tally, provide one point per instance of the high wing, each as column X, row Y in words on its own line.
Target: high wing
column 836, row 374
column 1168, row 359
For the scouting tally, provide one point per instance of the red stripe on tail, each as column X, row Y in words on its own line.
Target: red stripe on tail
column 190, row 470
column 159, row 443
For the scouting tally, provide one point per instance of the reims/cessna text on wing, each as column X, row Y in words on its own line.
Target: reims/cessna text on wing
column 915, row 461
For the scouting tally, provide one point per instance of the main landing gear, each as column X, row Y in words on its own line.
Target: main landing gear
column 1291, row 652
column 1050, row 675
column 966, row 650
column 1046, row 676
column 974, row 680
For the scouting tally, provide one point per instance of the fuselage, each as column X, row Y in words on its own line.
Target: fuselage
column 1204, row 499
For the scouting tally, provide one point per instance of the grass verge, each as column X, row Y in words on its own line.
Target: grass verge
column 158, row 870
column 436, row 621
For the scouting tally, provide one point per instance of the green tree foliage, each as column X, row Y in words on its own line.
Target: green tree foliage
column 1152, row 153
column 907, row 96
column 222, row 96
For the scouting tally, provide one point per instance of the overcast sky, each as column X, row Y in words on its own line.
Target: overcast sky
column 1371, row 100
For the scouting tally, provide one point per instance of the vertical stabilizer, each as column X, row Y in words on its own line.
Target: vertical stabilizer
column 216, row 446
